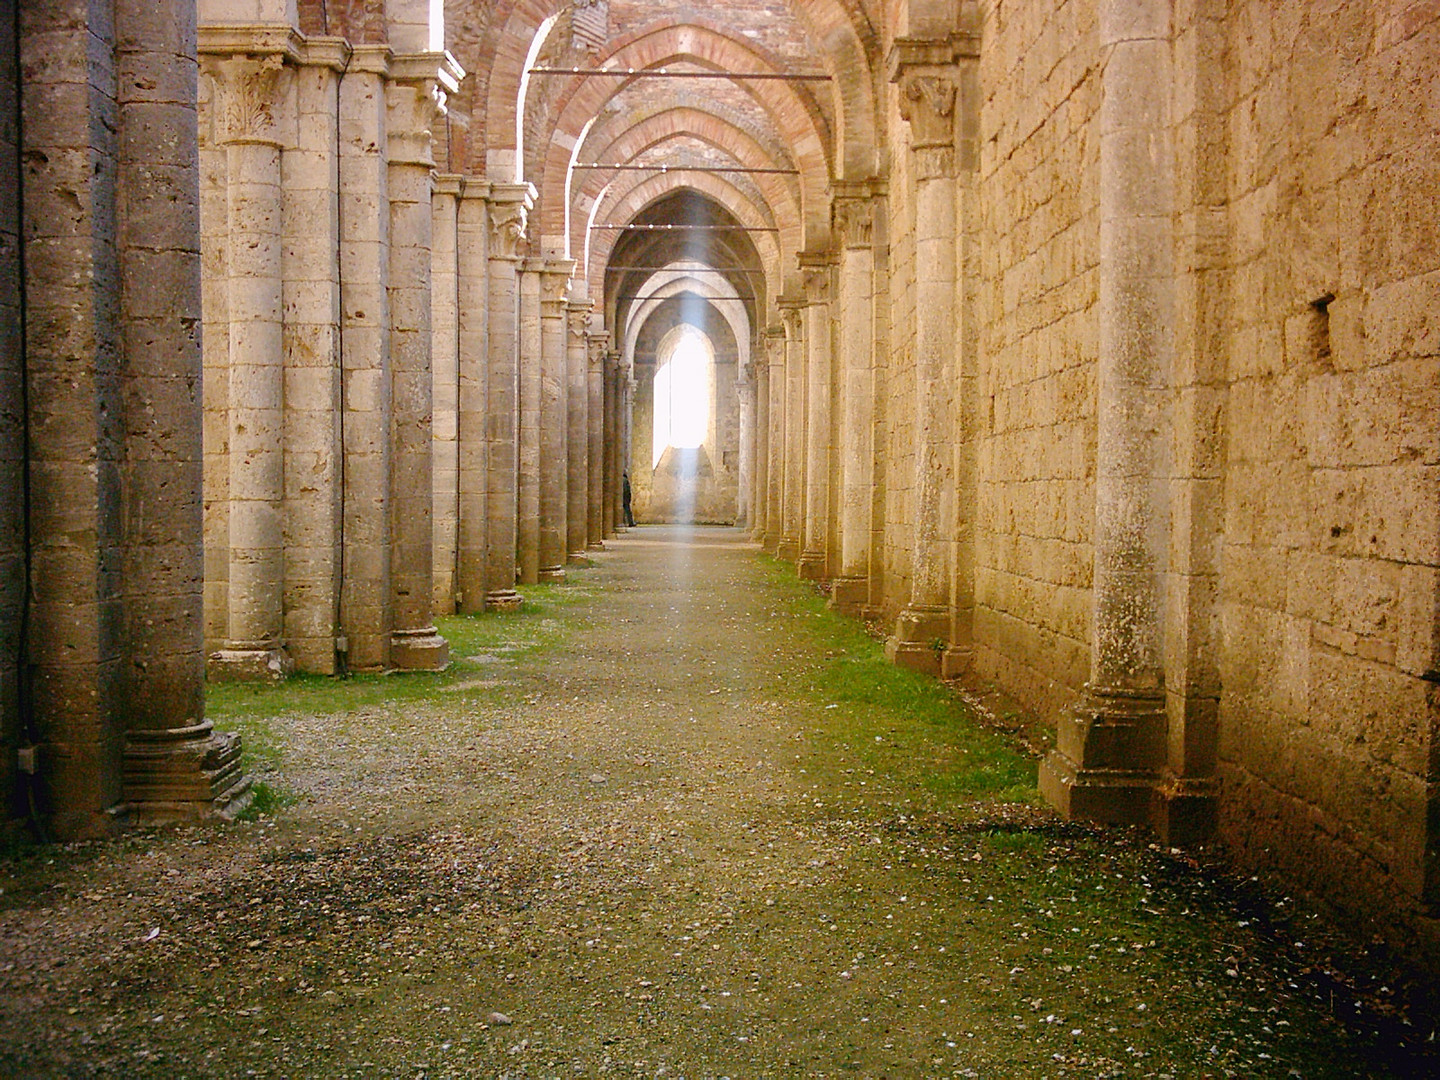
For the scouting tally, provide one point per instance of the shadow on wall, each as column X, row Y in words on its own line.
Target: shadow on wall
column 684, row 490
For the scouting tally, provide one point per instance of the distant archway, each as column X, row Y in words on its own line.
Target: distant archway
column 684, row 392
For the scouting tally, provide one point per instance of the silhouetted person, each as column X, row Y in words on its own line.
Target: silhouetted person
column 625, row 499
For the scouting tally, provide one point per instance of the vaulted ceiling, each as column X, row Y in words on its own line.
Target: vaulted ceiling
column 717, row 129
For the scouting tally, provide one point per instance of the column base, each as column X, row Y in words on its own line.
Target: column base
column 184, row 774
column 849, row 595
column 551, row 575
column 249, row 665
column 788, row 549
column 577, row 558
column 955, row 661
column 503, row 600
column 595, row 545
column 919, row 639
column 1108, row 751
column 811, row 566
column 419, row 650
column 1184, row 810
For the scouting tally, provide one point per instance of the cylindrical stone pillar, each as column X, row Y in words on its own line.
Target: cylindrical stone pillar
column 611, row 501
column 792, row 524
column 253, row 93
column 1110, row 748
column 816, row 270
column 415, row 645
column 927, row 97
column 760, row 465
column 554, row 420
column 509, row 205
column 175, row 764
column 745, row 384
column 473, row 375
column 311, row 303
column 527, row 501
column 854, row 217
column 365, row 359
column 775, row 456
column 445, row 393
column 595, row 439
column 577, row 439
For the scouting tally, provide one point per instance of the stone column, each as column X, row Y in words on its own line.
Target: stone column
column 775, row 457
column 1111, row 747
column 509, row 205
column 175, row 765
column 613, row 518
column 527, row 503
column 472, row 416
column 577, row 438
column 252, row 93
column 410, row 110
column 745, row 385
column 815, row 268
column 445, row 392
column 554, row 420
column 311, row 303
column 627, row 413
column 854, row 221
column 928, row 81
column 760, row 463
column 792, row 514
column 595, row 441
column 365, row 359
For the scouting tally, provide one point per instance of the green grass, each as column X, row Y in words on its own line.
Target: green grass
column 879, row 711
column 483, row 644
column 477, row 644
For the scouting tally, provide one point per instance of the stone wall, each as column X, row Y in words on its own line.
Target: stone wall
column 1039, row 251
column 1332, row 508
column 12, row 433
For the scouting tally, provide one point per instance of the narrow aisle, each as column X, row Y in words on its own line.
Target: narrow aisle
column 672, row 819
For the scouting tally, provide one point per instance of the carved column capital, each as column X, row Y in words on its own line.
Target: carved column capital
column 815, row 274
column 578, row 321
column 852, row 210
column 249, row 92
column 510, row 206
column 414, row 102
column 597, row 342
column 554, row 281
column 792, row 310
column 931, row 76
column 775, row 345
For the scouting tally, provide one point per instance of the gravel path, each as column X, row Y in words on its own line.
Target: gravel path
column 651, row 849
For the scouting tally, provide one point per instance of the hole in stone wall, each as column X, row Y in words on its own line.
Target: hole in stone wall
column 1320, row 328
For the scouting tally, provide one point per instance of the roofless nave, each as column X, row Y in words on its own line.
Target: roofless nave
column 1089, row 346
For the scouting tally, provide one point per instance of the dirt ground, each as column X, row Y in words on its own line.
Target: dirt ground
column 661, row 839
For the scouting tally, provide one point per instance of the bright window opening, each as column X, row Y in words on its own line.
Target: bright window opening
column 682, row 395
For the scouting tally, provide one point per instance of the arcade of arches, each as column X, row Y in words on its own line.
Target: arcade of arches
column 1089, row 346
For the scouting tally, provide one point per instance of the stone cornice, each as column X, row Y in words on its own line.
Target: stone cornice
column 449, row 184
column 261, row 39
column 923, row 54
column 370, row 59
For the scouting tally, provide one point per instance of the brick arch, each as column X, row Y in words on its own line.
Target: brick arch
column 798, row 120
column 624, row 203
column 852, row 56
column 849, row 54
column 780, row 195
